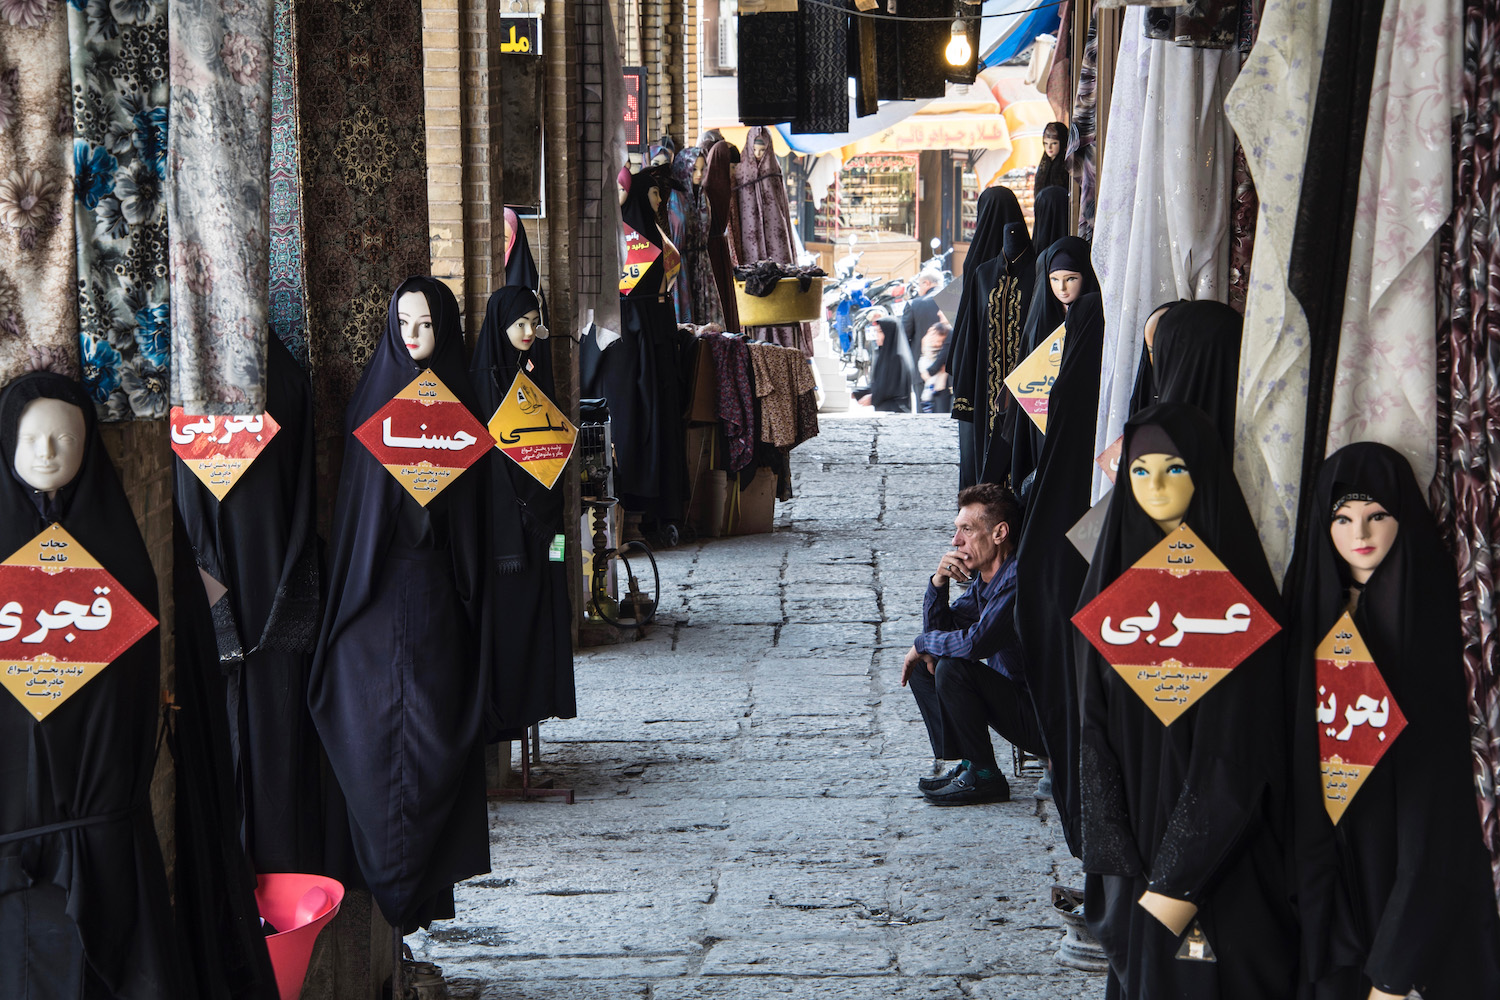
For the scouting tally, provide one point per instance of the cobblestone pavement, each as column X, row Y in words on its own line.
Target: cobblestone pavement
column 747, row 822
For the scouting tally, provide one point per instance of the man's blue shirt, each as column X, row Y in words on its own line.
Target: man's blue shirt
column 980, row 625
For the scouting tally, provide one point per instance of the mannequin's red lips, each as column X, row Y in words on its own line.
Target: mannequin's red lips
column 1366, row 550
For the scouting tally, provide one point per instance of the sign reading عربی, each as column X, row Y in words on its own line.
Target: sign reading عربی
column 83, row 620
column 640, row 254
column 1031, row 380
column 425, row 437
column 532, row 431
column 1358, row 719
column 1109, row 458
column 1175, row 624
column 218, row 450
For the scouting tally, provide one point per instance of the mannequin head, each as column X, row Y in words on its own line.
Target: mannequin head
column 660, row 157
column 700, row 164
column 417, row 332
column 1067, row 286
column 653, row 196
column 1151, row 322
column 758, row 149
column 1053, row 137
column 49, row 444
column 524, row 331
column 1363, row 532
column 623, row 181
column 1161, row 484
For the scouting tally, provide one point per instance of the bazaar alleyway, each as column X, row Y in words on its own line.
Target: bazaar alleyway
column 747, row 823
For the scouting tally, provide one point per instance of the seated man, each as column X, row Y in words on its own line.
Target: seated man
column 959, row 694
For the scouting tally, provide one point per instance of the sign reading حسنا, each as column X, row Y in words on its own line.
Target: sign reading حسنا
column 1031, row 381
column 63, row 619
column 640, row 254
column 1358, row 719
column 1175, row 624
column 532, row 431
column 425, row 437
column 218, row 450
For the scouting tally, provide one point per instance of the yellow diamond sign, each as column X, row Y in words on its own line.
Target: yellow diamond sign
column 532, row 431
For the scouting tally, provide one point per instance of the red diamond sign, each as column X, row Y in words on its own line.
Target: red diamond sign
column 1175, row 624
column 1358, row 720
column 218, row 450
column 425, row 437
column 63, row 619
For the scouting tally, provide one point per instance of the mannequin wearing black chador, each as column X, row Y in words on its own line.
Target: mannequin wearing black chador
column 260, row 544
column 1182, row 824
column 395, row 690
column 530, row 660
column 1397, row 894
column 83, row 893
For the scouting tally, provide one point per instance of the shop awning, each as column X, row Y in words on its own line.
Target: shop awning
column 1010, row 26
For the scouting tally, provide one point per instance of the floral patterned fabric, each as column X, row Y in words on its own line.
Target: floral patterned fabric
column 1271, row 107
column 1468, row 484
column 38, row 321
column 218, row 203
column 287, row 291
column 1241, row 230
column 118, row 55
column 1082, row 133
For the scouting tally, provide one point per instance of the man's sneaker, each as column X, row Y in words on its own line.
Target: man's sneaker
column 939, row 780
column 968, row 788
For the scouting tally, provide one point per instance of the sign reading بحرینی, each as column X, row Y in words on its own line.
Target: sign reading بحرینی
column 532, row 431
column 1031, row 381
column 425, row 437
column 63, row 619
column 218, row 450
column 1358, row 719
column 640, row 254
column 1175, row 624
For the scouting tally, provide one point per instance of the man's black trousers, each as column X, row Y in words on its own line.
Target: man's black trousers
column 963, row 701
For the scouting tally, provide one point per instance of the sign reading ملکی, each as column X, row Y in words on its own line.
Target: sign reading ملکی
column 219, row 449
column 83, row 620
column 425, row 437
column 1358, row 719
column 640, row 254
column 532, row 431
column 1031, row 380
column 1175, row 624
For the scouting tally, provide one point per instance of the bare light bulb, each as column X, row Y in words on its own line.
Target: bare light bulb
column 958, row 51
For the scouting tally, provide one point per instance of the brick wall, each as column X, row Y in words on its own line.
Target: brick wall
column 440, row 53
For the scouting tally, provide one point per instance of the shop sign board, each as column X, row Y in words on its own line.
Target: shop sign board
column 425, row 437
column 532, row 432
column 219, row 449
column 1031, row 381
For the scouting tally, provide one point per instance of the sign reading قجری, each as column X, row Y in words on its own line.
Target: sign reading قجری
column 1358, row 718
column 1031, row 380
column 425, row 437
column 1175, row 624
column 63, row 620
column 218, row 450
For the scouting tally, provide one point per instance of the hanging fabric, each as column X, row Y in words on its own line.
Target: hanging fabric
column 287, row 288
column 768, row 85
column 38, row 252
column 823, row 72
column 1083, row 130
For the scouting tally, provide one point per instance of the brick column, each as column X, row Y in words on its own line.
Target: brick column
column 440, row 31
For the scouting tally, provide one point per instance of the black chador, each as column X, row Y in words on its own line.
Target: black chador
column 1006, row 284
column 1396, row 895
column 1049, row 570
column 260, row 544
column 396, row 691
column 893, row 375
column 1193, row 811
column 83, row 893
column 998, row 207
column 1195, row 359
column 530, row 661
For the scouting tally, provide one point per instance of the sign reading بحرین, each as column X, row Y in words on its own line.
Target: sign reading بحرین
column 1031, row 381
column 1175, row 624
column 219, row 449
column 1357, row 717
column 425, row 437
column 532, row 431
column 63, row 619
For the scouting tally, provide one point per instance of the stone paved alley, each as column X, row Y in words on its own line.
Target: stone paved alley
column 747, row 822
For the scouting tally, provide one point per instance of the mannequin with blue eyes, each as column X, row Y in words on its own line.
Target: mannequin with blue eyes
column 1163, row 487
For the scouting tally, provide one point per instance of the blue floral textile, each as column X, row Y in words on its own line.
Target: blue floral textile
column 288, row 292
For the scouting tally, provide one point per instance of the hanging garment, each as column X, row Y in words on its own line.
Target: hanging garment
column 120, row 83
column 1207, row 24
column 38, row 249
column 260, row 543
column 288, row 285
column 1083, row 132
column 1050, row 212
column 696, row 294
column 1042, row 319
column 1163, row 229
column 893, row 374
column 765, row 229
column 1059, row 75
column 782, row 380
column 735, row 395
column 997, row 208
column 1197, row 361
column 1049, row 570
column 822, row 69
column 1011, row 280
column 1396, row 894
column 1193, row 810
column 395, row 690
column 719, row 192
column 768, row 88
column 530, row 662
column 83, row 893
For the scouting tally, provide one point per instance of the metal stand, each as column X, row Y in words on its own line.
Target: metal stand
column 398, row 988
column 527, row 791
column 1022, row 762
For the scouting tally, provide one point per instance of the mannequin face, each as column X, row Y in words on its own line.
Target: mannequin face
column 758, row 149
column 660, row 158
column 624, row 192
column 1051, row 146
column 49, row 444
column 1363, row 533
column 1163, row 487
column 1066, row 286
column 699, row 165
column 522, row 332
column 654, row 197
column 416, row 325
